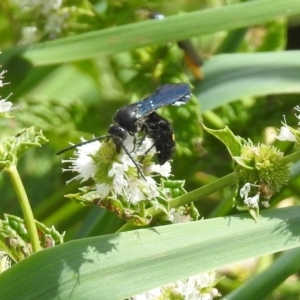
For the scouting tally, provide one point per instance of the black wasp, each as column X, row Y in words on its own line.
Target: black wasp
column 141, row 117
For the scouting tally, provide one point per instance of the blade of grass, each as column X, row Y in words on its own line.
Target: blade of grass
column 230, row 77
column 183, row 26
column 264, row 283
column 117, row 266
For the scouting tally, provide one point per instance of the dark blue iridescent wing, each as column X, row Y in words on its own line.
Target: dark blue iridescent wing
column 168, row 94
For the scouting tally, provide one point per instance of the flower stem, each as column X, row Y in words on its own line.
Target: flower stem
column 142, row 208
column 294, row 157
column 195, row 195
column 25, row 206
column 199, row 193
column 204, row 191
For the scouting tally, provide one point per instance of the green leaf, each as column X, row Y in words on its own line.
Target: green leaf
column 243, row 162
column 117, row 266
column 262, row 285
column 230, row 77
column 231, row 141
column 13, row 148
column 254, row 212
column 14, row 239
column 275, row 36
column 182, row 26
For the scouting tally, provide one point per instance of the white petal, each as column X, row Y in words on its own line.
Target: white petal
column 145, row 146
column 5, row 106
column 252, row 201
column 244, row 191
column 103, row 189
column 285, row 135
column 130, row 142
column 164, row 170
column 83, row 163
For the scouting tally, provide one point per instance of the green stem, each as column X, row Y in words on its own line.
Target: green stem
column 204, row 191
column 195, row 195
column 126, row 227
column 25, row 206
column 291, row 157
column 142, row 208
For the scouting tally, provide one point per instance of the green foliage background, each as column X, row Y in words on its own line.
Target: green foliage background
column 71, row 87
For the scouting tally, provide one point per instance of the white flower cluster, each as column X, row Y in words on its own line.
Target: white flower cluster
column 252, row 202
column 83, row 164
column 199, row 287
column 286, row 133
column 5, row 261
column 177, row 216
column 48, row 11
column 5, row 106
column 119, row 176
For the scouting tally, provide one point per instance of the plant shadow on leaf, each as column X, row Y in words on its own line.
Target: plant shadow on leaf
column 128, row 259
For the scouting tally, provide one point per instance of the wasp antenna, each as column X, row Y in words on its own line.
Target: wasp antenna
column 135, row 163
column 83, row 143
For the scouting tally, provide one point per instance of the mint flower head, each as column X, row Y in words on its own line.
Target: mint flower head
column 263, row 168
column 116, row 174
column 251, row 202
column 2, row 84
column 83, row 163
column 48, row 19
column 259, row 169
column 193, row 288
column 5, row 106
column 288, row 133
column 261, row 173
column 285, row 134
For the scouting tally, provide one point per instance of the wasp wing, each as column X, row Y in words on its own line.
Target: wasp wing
column 168, row 94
